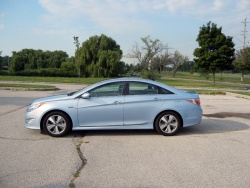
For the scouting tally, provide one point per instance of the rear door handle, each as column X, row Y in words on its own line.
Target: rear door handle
column 158, row 99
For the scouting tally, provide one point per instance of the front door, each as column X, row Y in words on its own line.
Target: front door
column 104, row 107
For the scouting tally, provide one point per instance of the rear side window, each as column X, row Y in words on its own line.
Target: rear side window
column 140, row 88
column 164, row 91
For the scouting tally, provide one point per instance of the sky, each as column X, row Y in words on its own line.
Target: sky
column 52, row 24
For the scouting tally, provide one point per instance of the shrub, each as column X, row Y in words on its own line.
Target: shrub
column 150, row 74
column 4, row 72
column 49, row 72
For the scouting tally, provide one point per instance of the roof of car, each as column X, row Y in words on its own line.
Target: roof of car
column 130, row 79
column 124, row 79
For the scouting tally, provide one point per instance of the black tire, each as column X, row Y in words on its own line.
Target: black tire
column 168, row 123
column 56, row 124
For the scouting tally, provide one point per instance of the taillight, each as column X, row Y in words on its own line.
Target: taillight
column 194, row 101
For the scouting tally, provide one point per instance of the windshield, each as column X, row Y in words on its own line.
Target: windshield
column 81, row 91
column 88, row 88
column 71, row 93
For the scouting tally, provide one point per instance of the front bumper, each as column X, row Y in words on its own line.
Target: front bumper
column 32, row 119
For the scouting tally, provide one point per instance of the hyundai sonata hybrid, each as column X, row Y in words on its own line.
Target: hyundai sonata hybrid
column 123, row 103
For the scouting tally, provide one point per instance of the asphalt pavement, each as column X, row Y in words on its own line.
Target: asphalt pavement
column 213, row 154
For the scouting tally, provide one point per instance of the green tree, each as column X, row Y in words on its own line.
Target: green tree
column 100, row 57
column 128, row 67
column 36, row 59
column 187, row 67
column 121, row 70
column 17, row 62
column 42, row 59
column 1, row 60
column 56, row 58
column 69, row 66
column 242, row 61
column 216, row 51
column 137, row 67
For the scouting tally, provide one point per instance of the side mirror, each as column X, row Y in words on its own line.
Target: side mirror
column 85, row 95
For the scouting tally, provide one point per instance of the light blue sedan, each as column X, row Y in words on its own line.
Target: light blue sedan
column 124, row 103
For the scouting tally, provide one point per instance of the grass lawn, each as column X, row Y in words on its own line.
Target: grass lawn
column 226, row 77
column 195, row 84
column 183, row 79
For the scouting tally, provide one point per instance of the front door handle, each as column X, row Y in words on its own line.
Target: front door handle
column 117, row 102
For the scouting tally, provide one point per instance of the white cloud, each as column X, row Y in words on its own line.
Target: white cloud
column 109, row 14
column 55, row 32
column 2, row 14
column 174, row 6
column 118, row 16
column 243, row 5
column 217, row 5
column 118, row 8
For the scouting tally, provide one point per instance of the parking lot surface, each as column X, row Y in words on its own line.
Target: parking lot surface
column 214, row 153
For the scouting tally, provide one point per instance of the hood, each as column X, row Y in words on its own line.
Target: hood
column 53, row 98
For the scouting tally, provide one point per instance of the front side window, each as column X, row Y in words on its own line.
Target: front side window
column 113, row 89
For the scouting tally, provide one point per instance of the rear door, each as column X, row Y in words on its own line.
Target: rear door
column 141, row 103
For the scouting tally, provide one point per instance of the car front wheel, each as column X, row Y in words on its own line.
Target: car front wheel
column 168, row 123
column 56, row 124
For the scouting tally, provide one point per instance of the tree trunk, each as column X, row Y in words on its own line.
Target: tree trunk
column 174, row 72
column 242, row 75
column 214, row 77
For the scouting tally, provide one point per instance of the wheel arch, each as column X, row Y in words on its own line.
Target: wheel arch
column 44, row 115
column 169, row 111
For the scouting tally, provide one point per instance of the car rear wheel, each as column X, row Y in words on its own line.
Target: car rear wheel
column 56, row 124
column 168, row 123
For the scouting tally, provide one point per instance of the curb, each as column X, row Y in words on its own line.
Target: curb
column 238, row 95
column 28, row 89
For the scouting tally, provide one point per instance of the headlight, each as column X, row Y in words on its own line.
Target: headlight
column 34, row 106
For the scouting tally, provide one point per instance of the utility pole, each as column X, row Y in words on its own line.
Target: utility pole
column 167, row 48
column 243, row 50
column 244, row 32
